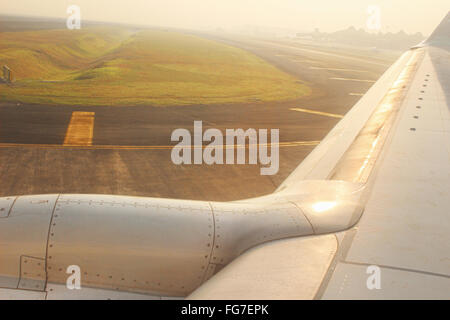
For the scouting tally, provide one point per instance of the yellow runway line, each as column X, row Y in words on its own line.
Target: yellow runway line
column 337, row 69
column 303, row 60
column 80, row 130
column 350, row 79
column 356, row 94
column 326, row 114
column 162, row 147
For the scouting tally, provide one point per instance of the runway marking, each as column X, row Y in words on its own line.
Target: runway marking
column 326, row 114
column 80, row 130
column 162, row 147
column 350, row 79
column 325, row 53
column 295, row 59
column 338, row 69
column 306, row 61
column 355, row 94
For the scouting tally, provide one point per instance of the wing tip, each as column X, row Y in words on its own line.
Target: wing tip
column 440, row 36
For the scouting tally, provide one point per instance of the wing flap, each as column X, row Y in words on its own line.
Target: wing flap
column 283, row 269
column 350, row 282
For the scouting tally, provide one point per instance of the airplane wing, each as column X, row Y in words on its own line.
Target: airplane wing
column 395, row 141
column 365, row 215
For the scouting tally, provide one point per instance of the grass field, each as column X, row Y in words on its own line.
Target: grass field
column 114, row 66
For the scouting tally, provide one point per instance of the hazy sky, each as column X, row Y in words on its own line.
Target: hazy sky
column 302, row 15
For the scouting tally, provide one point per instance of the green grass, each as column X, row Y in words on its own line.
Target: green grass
column 112, row 66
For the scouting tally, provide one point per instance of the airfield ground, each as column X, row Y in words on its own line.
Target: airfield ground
column 127, row 154
column 119, row 66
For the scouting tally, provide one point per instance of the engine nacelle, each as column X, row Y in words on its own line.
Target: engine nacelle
column 159, row 247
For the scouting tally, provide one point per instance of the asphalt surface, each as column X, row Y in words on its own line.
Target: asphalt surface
column 129, row 156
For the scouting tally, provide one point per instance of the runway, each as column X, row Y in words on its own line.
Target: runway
column 126, row 150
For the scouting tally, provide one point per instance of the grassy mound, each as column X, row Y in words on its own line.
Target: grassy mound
column 113, row 66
